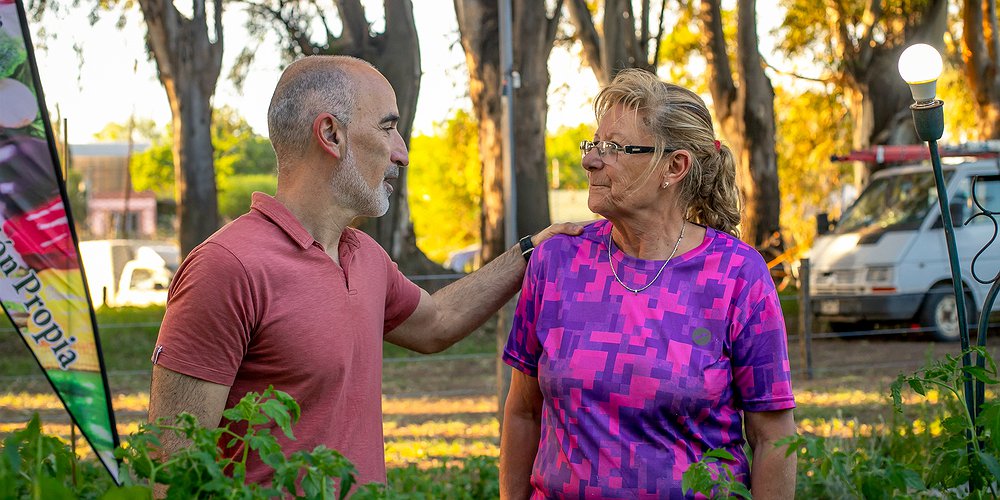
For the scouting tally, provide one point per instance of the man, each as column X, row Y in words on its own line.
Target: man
column 289, row 295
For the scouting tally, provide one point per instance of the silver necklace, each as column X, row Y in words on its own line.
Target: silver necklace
column 635, row 291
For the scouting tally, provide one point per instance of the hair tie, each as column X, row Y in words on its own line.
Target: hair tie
column 718, row 145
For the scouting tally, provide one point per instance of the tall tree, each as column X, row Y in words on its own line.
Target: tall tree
column 745, row 109
column 534, row 31
column 860, row 42
column 395, row 52
column 981, row 54
column 624, row 40
column 188, row 59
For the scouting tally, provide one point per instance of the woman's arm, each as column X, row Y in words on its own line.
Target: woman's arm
column 772, row 474
column 522, row 421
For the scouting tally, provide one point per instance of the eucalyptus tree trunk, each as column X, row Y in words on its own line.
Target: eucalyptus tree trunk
column 188, row 61
column 533, row 33
column 981, row 54
column 396, row 53
column 478, row 24
column 622, row 42
column 746, row 113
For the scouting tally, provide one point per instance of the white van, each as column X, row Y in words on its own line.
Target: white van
column 128, row 272
column 886, row 260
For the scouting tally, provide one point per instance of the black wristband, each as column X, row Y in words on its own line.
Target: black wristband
column 526, row 247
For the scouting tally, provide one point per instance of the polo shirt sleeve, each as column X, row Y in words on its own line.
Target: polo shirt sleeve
column 401, row 298
column 523, row 348
column 761, row 373
column 209, row 317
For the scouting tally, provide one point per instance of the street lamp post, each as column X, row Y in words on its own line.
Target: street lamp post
column 920, row 66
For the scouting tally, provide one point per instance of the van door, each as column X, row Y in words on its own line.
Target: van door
column 142, row 285
column 939, row 308
column 980, row 231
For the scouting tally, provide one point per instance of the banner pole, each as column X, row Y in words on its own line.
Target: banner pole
column 72, row 440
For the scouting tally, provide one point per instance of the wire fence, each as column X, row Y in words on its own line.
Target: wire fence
column 813, row 353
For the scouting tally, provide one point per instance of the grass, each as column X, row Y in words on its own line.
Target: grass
column 128, row 335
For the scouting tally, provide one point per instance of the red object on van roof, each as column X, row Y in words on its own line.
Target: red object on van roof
column 914, row 152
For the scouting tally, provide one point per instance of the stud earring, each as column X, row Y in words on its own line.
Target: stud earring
column 665, row 184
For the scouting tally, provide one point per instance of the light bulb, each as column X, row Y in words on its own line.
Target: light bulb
column 920, row 66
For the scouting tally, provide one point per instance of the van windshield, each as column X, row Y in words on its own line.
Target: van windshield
column 892, row 203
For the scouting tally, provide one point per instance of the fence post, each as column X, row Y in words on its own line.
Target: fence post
column 805, row 319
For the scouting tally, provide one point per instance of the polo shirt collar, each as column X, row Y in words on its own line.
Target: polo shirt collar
column 278, row 213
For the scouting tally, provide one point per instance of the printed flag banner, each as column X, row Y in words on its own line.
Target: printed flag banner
column 41, row 281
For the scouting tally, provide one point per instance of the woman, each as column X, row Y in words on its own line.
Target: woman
column 656, row 335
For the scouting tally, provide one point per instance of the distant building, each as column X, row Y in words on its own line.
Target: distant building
column 114, row 209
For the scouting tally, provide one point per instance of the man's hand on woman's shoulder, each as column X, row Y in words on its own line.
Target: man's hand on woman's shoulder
column 570, row 228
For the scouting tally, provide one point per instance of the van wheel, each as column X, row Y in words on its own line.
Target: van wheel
column 940, row 312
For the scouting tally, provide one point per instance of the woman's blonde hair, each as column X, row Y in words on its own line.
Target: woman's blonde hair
column 679, row 119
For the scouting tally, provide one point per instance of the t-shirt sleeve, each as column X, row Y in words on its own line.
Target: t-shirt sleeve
column 761, row 373
column 401, row 298
column 523, row 348
column 209, row 319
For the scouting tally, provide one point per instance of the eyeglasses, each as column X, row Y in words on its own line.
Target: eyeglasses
column 605, row 147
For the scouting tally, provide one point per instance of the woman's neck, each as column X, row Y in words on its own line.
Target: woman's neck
column 649, row 240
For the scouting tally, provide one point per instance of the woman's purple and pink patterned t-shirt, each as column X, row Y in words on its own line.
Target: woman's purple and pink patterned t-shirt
column 638, row 386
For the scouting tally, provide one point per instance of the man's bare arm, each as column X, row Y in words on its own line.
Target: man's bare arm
column 173, row 393
column 456, row 310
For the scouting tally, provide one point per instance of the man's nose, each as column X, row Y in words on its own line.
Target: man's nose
column 400, row 156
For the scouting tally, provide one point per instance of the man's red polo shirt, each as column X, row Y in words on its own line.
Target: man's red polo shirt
column 261, row 303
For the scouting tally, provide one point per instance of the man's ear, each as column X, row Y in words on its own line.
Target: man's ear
column 329, row 134
column 678, row 166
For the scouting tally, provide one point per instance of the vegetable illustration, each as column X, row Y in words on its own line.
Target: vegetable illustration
column 19, row 107
column 12, row 54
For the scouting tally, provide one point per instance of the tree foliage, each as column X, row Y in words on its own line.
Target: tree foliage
column 143, row 130
column 446, row 186
column 856, row 44
column 244, row 163
column 980, row 42
column 813, row 125
column 563, row 148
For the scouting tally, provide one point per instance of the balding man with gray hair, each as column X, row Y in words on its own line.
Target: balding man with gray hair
column 290, row 295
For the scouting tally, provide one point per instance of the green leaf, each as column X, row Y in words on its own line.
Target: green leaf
column 991, row 464
column 720, row 454
column 980, row 374
column 989, row 420
column 128, row 493
column 917, row 386
column 279, row 413
column 896, row 391
column 739, row 489
column 51, row 488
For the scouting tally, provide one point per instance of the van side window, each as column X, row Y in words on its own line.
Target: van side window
column 142, row 279
column 961, row 203
column 988, row 195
